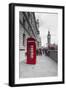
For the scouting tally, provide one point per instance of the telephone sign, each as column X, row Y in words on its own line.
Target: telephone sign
column 31, row 51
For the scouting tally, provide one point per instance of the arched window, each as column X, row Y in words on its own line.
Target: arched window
column 23, row 21
column 28, row 14
column 23, row 39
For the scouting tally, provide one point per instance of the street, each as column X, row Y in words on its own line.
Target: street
column 44, row 67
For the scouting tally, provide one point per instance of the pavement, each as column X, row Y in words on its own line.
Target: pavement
column 44, row 67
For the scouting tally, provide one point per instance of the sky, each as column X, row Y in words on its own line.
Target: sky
column 48, row 22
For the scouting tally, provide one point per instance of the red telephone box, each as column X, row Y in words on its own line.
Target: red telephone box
column 31, row 51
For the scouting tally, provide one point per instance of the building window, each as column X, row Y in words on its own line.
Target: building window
column 23, row 39
column 28, row 14
column 24, row 21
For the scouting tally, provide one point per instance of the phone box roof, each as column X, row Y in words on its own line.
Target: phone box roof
column 31, row 39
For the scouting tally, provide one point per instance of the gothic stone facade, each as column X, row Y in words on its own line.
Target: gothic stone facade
column 28, row 27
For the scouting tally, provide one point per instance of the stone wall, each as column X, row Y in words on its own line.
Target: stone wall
column 54, row 55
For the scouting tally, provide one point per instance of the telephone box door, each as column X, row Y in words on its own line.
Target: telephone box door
column 31, row 51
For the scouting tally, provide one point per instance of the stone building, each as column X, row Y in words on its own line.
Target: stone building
column 28, row 27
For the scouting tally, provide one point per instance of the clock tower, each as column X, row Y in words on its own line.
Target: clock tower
column 49, row 38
